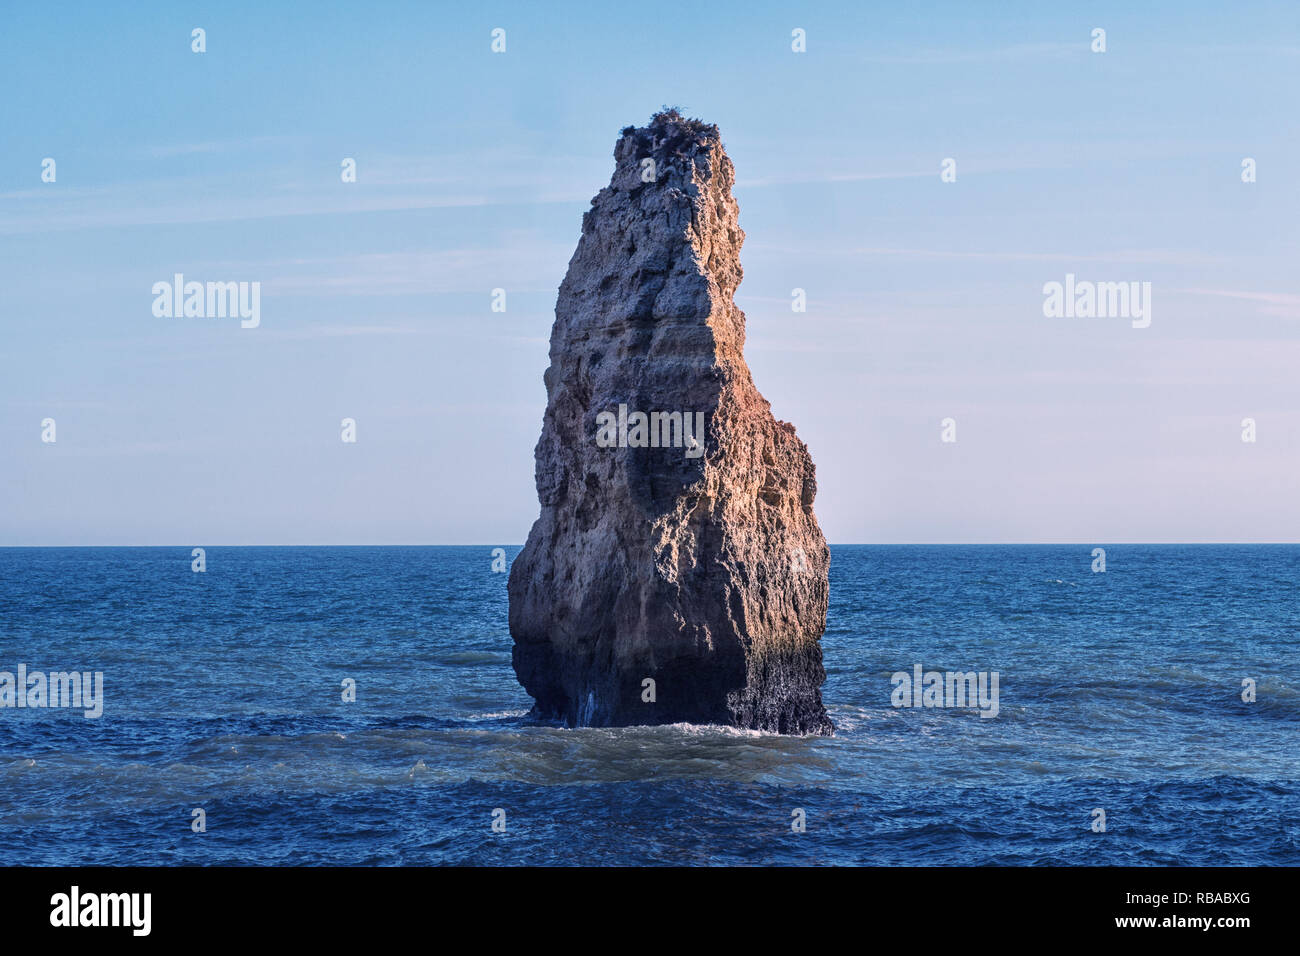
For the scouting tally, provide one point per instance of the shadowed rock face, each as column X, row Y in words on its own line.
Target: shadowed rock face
column 701, row 568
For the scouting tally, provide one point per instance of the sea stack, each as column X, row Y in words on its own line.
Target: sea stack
column 676, row 572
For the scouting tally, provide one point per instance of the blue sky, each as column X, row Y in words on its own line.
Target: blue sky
column 474, row 168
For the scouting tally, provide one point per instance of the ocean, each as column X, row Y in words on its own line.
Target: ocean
column 1118, row 691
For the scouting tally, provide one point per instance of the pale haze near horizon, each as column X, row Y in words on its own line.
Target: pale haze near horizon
column 924, row 297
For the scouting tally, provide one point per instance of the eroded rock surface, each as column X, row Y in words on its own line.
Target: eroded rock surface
column 698, row 567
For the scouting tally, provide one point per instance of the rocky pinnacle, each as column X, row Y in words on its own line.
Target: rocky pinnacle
column 677, row 571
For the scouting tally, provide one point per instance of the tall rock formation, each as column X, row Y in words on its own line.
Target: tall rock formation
column 677, row 572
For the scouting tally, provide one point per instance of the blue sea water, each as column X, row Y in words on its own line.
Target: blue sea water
column 1119, row 690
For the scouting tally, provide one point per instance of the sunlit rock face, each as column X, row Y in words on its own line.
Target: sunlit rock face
column 677, row 571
